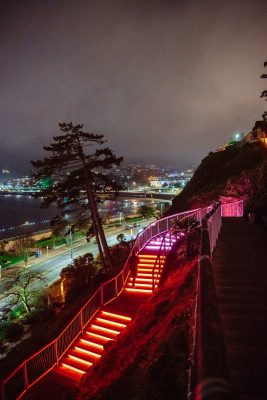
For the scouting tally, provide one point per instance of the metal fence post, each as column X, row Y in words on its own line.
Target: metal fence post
column 25, row 375
column 3, row 392
column 81, row 319
column 56, row 351
column 102, row 295
column 116, row 286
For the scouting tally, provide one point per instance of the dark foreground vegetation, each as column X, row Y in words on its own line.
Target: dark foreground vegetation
column 150, row 360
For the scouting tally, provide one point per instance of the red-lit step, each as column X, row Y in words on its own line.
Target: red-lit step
column 116, row 317
column 142, row 280
column 139, row 291
column 89, row 347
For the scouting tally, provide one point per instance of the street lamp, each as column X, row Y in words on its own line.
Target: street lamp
column 70, row 232
column 161, row 206
column 71, row 255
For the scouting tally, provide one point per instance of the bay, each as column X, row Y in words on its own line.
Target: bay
column 20, row 214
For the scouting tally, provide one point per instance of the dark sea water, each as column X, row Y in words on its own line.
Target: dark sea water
column 21, row 214
column 16, row 210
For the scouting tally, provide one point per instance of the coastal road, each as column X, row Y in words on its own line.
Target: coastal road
column 49, row 268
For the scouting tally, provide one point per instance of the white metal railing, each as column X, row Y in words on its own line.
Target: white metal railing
column 208, row 376
column 235, row 209
column 39, row 364
column 214, row 227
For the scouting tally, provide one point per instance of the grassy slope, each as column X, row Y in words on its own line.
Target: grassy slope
column 223, row 173
column 150, row 360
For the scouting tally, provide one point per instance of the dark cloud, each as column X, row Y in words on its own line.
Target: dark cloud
column 165, row 81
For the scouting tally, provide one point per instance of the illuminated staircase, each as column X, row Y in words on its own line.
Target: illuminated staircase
column 144, row 277
column 88, row 348
column 150, row 265
column 107, row 325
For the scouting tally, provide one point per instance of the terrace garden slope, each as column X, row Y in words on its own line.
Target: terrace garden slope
column 237, row 172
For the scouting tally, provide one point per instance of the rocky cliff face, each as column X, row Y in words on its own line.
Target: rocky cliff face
column 238, row 171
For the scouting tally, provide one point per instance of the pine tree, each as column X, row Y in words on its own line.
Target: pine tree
column 77, row 178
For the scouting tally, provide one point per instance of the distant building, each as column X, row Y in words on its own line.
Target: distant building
column 181, row 180
column 259, row 131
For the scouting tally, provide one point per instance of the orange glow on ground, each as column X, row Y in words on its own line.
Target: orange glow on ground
column 113, row 323
column 98, row 336
column 80, row 360
column 143, row 285
column 101, row 328
column 73, row 368
column 87, row 352
column 138, row 290
column 148, row 265
column 116, row 315
column 149, row 256
column 99, row 346
column 147, row 270
column 143, row 280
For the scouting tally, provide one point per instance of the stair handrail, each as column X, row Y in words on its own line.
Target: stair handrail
column 159, row 261
column 233, row 209
column 208, row 378
column 198, row 214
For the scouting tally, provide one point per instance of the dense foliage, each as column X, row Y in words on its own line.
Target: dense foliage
column 76, row 178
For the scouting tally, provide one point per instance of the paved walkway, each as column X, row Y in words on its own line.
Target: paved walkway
column 240, row 273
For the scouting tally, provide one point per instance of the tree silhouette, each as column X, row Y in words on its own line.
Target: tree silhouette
column 79, row 275
column 264, row 93
column 77, row 178
column 19, row 287
column 145, row 211
column 3, row 244
column 23, row 246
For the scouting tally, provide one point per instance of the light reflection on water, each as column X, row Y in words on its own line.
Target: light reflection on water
column 16, row 210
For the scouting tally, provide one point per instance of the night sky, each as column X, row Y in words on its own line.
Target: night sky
column 164, row 81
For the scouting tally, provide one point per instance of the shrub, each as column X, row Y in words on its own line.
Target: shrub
column 11, row 331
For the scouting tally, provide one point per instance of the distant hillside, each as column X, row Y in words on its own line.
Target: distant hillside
column 235, row 172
